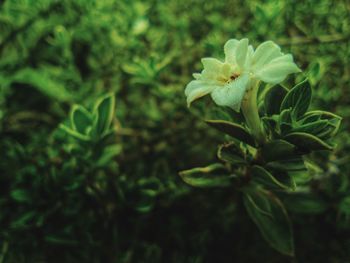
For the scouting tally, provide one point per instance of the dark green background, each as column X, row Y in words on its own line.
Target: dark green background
column 54, row 54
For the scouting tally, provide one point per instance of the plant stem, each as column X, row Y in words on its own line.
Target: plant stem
column 250, row 111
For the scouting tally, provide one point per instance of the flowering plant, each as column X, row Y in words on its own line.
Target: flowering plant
column 267, row 157
column 234, row 82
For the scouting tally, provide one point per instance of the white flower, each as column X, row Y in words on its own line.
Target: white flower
column 228, row 81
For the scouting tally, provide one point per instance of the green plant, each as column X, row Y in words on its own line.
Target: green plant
column 268, row 156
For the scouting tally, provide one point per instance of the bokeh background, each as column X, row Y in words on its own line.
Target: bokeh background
column 54, row 54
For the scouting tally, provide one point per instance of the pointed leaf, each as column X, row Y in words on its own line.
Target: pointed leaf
column 234, row 130
column 81, row 119
column 42, row 80
column 312, row 128
column 264, row 177
column 276, row 227
column 307, row 142
column 215, row 175
column 278, row 150
column 74, row 133
column 273, row 99
column 306, row 203
column 291, row 165
column 231, row 153
column 285, row 121
column 333, row 120
column 298, row 99
column 104, row 109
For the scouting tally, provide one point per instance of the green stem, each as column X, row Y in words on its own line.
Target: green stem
column 250, row 111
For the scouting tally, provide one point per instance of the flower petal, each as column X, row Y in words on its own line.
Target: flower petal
column 230, row 51
column 248, row 61
column 197, row 89
column 266, row 52
column 241, row 52
column 231, row 94
column 277, row 70
column 212, row 68
column 211, row 64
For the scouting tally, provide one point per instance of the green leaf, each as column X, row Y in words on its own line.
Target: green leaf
column 271, row 124
column 333, row 123
column 74, row 133
column 262, row 176
column 59, row 240
column 285, row 121
column 40, row 79
column 215, row 175
column 320, row 115
column 306, row 203
column 234, row 130
column 24, row 220
column 108, row 154
column 291, row 165
column 298, row 99
column 307, row 142
column 147, row 191
column 312, row 128
column 273, row 99
column 21, row 195
column 274, row 225
column 81, row 119
column 278, row 150
column 104, row 108
column 315, row 72
column 231, row 153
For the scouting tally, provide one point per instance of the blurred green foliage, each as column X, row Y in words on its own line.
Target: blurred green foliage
column 60, row 202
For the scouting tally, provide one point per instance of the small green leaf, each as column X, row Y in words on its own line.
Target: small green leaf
column 307, row 142
column 81, row 119
column 285, row 121
column 231, row 153
column 74, row 133
column 294, row 164
column 333, row 121
column 215, row 175
column 271, row 125
column 234, row 130
column 108, row 154
column 275, row 225
column 278, row 150
column 41, row 80
column 104, row 108
column 21, row 195
column 273, row 99
column 24, row 220
column 298, row 99
column 262, row 176
column 59, row 240
column 306, row 203
column 312, row 128
column 315, row 72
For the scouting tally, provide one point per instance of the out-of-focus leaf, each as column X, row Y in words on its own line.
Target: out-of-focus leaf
column 274, row 224
column 215, row 175
column 81, row 119
column 21, row 195
column 41, row 80
column 104, row 109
